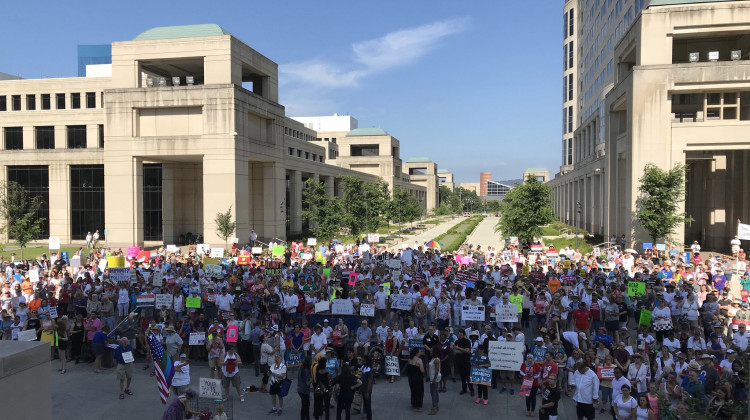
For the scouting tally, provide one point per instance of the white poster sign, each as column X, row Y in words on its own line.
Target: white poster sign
column 197, row 339
column 53, row 312
column 204, row 249
column 321, row 306
column 28, row 335
column 217, row 252
column 342, row 307
column 34, row 275
column 256, row 250
column 210, row 388
column 507, row 313
column 373, row 238
column 127, row 357
column 743, row 232
column 402, row 302
column 312, row 241
column 157, row 278
column 54, row 243
column 391, row 366
column 75, row 261
column 394, row 263
column 212, row 270
column 103, row 264
column 472, row 313
column 367, row 309
column 164, row 299
column 506, row 355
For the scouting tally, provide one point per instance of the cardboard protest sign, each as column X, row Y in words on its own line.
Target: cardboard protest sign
column 28, row 335
column 217, row 252
column 203, row 249
column 327, row 272
column 54, row 243
column 648, row 245
column 321, row 306
column 402, row 302
column 505, row 313
column 232, row 333
column 133, row 251
column 636, row 288
column 53, row 312
column 277, row 251
column 193, row 302
column 143, row 256
column 256, row 250
column 209, row 388
column 312, row 241
column 342, row 307
column 373, row 238
column 367, row 309
column 118, row 274
column 145, row 300
column 604, row 372
column 173, row 248
column 102, row 264
column 197, row 339
column 164, row 299
column 157, row 278
column 34, row 275
column 416, row 344
column 115, row 262
column 243, row 260
column 392, row 367
column 294, row 359
column 645, row 317
column 352, row 278
column 743, row 232
column 505, row 355
column 472, row 313
column 481, row 376
column 212, row 270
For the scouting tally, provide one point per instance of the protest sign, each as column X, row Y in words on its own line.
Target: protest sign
column 197, row 339
column 648, row 245
column 387, row 288
column 118, row 274
column 321, row 306
column 115, row 262
column 661, row 247
column 209, row 388
column 481, row 376
column 173, row 249
column 256, row 250
column 203, row 249
column 505, row 355
column 143, row 256
column 312, row 241
column 133, row 251
column 212, row 270
column 28, row 335
column 193, row 302
column 566, row 264
column 34, row 275
column 605, row 372
column 277, row 251
column 327, row 272
column 402, row 302
column 526, row 386
column 54, row 243
column 391, row 366
column 661, row 324
column 373, row 238
column 367, row 309
column 164, row 299
column 416, row 344
column 506, row 313
column 75, row 261
column 636, row 288
column 294, row 359
column 53, row 312
column 217, row 252
column 645, row 317
column 102, row 264
column 232, row 333
column 157, row 278
column 394, row 263
column 352, row 278
column 525, row 270
column 514, row 241
column 743, row 232
column 472, row 313
column 145, row 300
column 342, row 307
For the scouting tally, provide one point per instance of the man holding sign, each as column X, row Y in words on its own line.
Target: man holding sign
column 124, row 357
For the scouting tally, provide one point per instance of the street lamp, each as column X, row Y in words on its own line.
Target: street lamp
column 578, row 216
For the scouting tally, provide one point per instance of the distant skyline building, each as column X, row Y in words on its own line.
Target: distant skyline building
column 93, row 54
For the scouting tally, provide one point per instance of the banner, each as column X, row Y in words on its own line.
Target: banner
column 743, row 232
column 367, row 309
column 164, row 299
column 115, row 262
column 472, row 313
column 505, row 355
column 391, row 366
column 118, row 274
column 605, row 372
column 645, row 318
column 145, row 300
column 294, row 359
column 232, row 333
column 402, row 302
column 209, row 388
column 54, row 243
column 373, row 238
column 197, row 339
column 636, row 288
column 342, row 307
column 277, row 251
column 506, row 313
column 193, row 302
column 321, row 306
column 212, row 270
column 481, row 376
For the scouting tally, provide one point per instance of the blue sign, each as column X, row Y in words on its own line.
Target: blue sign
column 481, row 376
column 294, row 359
column 648, row 245
column 64, row 256
column 661, row 247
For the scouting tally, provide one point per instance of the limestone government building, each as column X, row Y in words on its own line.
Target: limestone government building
column 184, row 123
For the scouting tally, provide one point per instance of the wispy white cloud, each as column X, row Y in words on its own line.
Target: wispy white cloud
column 395, row 49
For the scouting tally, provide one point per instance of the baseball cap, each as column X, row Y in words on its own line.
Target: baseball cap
column 183, row 355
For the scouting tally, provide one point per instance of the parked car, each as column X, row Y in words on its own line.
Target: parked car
column 467, row 214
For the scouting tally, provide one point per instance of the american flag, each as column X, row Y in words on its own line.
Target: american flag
column 162, row 366
column 463, row 276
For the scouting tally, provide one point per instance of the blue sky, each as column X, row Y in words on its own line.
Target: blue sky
column 475, row 85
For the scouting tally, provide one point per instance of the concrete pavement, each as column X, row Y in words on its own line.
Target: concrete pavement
column 426, row 235
column 484, row 234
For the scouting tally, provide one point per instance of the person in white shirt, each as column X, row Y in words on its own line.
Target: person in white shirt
column 740, row 338
column 123, row 300
column 412, row 330
column 587, row 391
column 224, row 301
column 181, row 379
column 382, row 332
column 696, row 342
column 318, row 341
column 617, row 382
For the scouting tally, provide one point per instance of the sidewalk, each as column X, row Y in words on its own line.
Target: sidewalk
column 423, row 236
column 484, row 234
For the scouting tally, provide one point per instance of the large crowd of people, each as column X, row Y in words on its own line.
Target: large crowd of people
column 635, row 335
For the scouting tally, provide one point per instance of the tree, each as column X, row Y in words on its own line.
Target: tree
column 525, row 209
column 661, row 193
column 20, row 210
column 325, row 212
column 364, row 204
column 224, row 225
column 403, row 207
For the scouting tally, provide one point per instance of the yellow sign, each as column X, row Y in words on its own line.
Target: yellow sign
column 214, row 261
column 525, row 270
column 583, row 272
column 566, row 264
column 115, row 262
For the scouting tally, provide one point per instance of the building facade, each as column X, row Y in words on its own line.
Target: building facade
column 185, row 126
column 669, row 90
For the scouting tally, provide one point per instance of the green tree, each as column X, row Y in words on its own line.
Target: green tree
column 224, row 225
column 661, row 193
column 377, row 196
column 364, row 203
column 403, row 207
column 525, row 209
column 325, row 212
column 20, row 211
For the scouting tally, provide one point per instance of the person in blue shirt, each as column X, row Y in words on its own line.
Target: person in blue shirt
column 538, row 350
column 124, row 369
column 603, row 337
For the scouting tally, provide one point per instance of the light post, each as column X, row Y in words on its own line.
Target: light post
column 577, row 216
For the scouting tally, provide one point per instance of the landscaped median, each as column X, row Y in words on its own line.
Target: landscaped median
column 455, row 236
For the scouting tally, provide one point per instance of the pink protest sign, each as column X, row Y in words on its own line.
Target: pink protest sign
column 352, row 278
column 232, row 333
column 133, row 251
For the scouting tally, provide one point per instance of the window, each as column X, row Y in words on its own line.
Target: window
column 299, row 153
column 30, row 102
column 571, row 15
column 16, row 100
column 570, row 119
column 86, row 200
column 75, row 101
column 76, row 137
column 45, row 137
column 90, row 99
column 565, row 25
column 565, row 88
column 565, row 57
column 101, row 102
column 60, row 99
column 13, row 138
column 570, row 55
column 321, row 158
column 315, row 157
column 570, row 151
column 3, row 103
column 35, row 180
column 333, row 140
column 565, row 120
column 365, row 150
column 46, row 101
column 101, row 136
column 152, row 202
column 570, row 87
column 307, row 155
column 291, row 151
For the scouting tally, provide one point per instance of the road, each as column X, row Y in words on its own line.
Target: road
column 426, row 235
column 484, row 234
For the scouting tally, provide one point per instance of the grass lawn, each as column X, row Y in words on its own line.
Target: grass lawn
column 561, row 243
column 455, row 236
column 33, row 251
column 550, row 231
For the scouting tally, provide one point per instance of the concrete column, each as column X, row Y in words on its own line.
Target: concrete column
column 59, row 199
column 330, row 186
column 167, row 203
column 225, row 179
column 123, row 199
column 295, row 201
column 28, row 138
column 61, row 138
column 715, row 234
column 274, row 201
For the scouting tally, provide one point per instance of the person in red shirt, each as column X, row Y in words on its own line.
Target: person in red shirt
column 582, row 319
column 549, row 366
column 530, row 372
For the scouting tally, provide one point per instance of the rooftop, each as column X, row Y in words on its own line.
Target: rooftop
column 537, row 170
column 372, row 131
column 418, row 159
column 674, row 2
column 181, row 31
column 443, row 171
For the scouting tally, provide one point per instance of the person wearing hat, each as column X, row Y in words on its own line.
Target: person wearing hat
column 318, row 340
column 694, row 387
column 181, row 379
column 173, row 342
column 538, row 350
column 638, row 374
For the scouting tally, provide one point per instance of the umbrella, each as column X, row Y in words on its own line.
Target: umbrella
column 631, row 250
column 433, row 244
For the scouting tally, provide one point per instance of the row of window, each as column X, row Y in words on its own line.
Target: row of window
column 44, row 137
column 568, row 23
column 298, row 134
column 305, row 155
column 567, row 119
column 332, row 139
column 568, row 56
column 568, row 87
column 45, row 101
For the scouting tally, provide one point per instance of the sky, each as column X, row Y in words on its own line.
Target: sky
column 475, row 86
